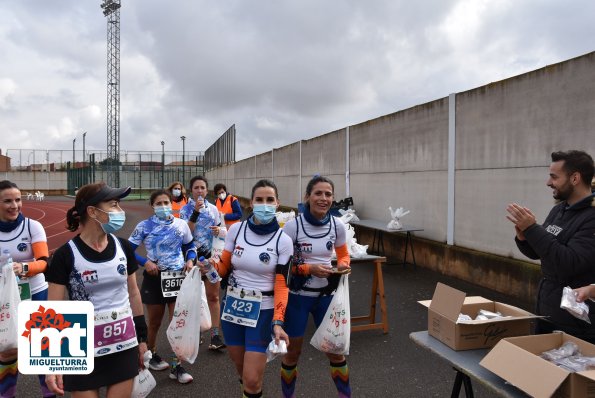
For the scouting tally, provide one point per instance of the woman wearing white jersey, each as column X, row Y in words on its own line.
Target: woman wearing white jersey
column 170, row 252
column 256, row 260
column 316, row 234
column 99, row 267
column 205, row 223
column 24, row 239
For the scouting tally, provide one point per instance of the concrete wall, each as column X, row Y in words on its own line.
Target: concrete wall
column 505, row 132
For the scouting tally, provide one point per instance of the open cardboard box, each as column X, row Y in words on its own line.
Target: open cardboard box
column 517, row 360
column 445, row 307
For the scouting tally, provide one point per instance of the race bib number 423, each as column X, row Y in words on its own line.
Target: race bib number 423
column 242, row 306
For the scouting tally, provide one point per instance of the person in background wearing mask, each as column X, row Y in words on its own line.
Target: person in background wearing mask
column 228, row 205
column 257, row 258
column 26, row 242
column 170, row 253
column 99, row 267
column 178, row 197
column 205, row 224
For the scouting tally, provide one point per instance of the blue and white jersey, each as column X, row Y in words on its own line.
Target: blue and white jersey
column 203, row 236
column 163, row 240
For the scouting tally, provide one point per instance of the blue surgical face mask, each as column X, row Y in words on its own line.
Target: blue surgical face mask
column 162, row 212
column 115, row 222
column 264, row 213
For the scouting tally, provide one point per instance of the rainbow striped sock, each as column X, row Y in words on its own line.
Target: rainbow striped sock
column 340, row 375
column 8, row 379
column 288, row 379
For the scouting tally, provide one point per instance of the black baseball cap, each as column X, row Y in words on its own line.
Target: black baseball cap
column 105, row 193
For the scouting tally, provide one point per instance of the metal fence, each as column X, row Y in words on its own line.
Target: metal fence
column 145, row 171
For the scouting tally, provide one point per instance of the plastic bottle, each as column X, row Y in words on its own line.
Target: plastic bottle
column 203, row 207
column 6, row 259
column 212, row 274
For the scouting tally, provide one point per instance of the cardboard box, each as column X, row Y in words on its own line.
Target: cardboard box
column 517, row 360
column 445, row 307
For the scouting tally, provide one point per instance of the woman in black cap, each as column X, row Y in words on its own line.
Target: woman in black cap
column 99, row 267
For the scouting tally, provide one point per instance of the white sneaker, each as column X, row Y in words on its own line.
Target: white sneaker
column 180, row 374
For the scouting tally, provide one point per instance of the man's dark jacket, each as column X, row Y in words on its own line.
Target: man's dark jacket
column 565, row 244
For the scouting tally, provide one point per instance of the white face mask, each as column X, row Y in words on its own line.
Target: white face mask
column 222, row 195
column 176, row 192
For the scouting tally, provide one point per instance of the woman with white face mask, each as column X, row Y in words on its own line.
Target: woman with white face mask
column 99, row 267
column 256, row 260
column 228, row 205
column 178, row 197
column 170, row 253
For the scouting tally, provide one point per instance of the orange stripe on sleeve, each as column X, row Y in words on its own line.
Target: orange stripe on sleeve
column 281, row 295
column 343, row 255
column 224, row 265
column 40, row 251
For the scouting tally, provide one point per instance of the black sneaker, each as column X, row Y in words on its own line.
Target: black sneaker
column 216, row 343
column 156, row 363
column 179, row 373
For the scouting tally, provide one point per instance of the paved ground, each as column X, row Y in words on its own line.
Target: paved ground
column 381, row 365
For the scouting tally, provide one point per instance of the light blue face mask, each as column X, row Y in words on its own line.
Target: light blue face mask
column 115, row 222
column 264, row 213
column 162, row 212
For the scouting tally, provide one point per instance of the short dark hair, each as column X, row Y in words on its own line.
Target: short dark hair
column 218, row 187
column 263, row 184
column 159, row 192
column 5, row 184
column 315, row 180
column 576, row 162
column 198, row 178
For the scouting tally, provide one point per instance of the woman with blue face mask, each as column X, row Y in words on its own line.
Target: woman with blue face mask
column 256, row 259
column 99, row 267
column 170, row 253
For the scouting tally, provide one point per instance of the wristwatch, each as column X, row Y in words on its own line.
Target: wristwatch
column 25, row 269
column 277, row 322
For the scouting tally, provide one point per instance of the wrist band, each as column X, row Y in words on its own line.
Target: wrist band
column 276, row 322
column 140, row 326
column 194, row 216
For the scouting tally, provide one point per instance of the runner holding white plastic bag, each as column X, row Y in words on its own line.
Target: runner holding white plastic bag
column 183, row 332
column 334, row 333
column 9, row 302
column 144, row 383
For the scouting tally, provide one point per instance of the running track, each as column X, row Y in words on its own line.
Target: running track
column 51, row 213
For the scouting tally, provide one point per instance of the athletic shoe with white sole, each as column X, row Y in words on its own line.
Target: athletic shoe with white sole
column 216, row 343
column 156, row 363
column 179, row 373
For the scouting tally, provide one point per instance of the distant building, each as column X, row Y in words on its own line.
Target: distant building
column 4, row 162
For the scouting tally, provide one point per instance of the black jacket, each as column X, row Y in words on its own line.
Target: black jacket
column 565, row 244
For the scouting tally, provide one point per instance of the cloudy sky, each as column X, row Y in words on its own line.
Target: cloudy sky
column 280, row 70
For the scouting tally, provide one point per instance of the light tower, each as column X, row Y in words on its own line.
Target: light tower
column 111, row 9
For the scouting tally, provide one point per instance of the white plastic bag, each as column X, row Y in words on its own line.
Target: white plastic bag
column 396, row 216
column 275, row 350
column 183, row 332
column 144, row 382
column 9, row 302
column 205, row 313
column 334, row 333
column 217, row 247
column 576, row 309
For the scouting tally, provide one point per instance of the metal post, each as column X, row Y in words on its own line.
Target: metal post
column 73, row 156
column 183, row 158
column 162, row 164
